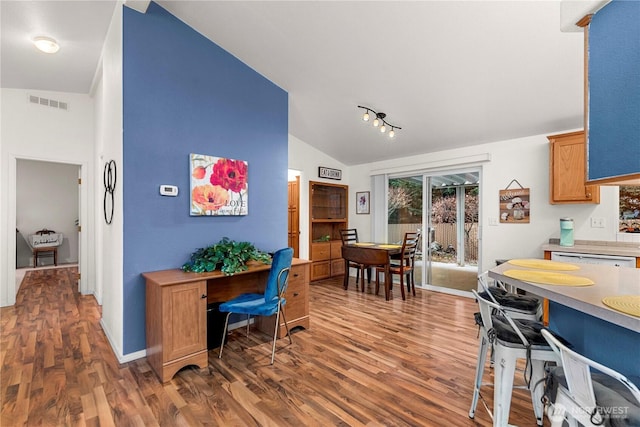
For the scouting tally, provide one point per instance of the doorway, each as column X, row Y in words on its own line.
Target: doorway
column 47, row 197
column 444, row 208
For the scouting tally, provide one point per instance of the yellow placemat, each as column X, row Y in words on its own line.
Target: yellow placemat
column 543, row 264
column 548, row 277
column 364, row 244
column 390, row 246
column 628, row 304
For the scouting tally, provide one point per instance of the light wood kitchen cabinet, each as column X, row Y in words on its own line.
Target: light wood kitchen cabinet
column 176, row 326
column 327, row 216
column 567, row 170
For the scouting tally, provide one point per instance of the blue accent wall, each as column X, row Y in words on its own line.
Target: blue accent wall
column 614, row 91
column 606, row 343
column 184, row 94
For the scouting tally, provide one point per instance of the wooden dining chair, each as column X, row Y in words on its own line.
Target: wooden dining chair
column 405, row 266
column 398, row 259
column 349, row 236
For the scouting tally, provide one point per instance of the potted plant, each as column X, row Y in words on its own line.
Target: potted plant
column 227, row 255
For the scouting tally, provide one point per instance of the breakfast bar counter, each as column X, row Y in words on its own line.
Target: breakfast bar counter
column 609, row 281
column 578, row 314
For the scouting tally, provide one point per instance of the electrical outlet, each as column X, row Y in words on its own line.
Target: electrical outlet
column 493, row 220
column 597, row 222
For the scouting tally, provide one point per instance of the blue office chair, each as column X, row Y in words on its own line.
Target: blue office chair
column 267, row 304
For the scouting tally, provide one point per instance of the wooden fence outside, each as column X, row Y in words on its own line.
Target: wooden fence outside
column 445, row 235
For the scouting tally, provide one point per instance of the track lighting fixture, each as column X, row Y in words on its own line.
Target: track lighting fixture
column 379, row 121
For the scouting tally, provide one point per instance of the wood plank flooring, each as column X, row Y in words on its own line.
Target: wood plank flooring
column 363, row 362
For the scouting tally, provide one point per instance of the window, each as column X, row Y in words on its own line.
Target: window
column 629, row 209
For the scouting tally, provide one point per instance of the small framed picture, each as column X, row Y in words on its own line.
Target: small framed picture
column 362, row 202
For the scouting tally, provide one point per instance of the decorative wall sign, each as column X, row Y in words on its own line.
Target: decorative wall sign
column 109, row 177
column 329, row 173
column 514, row 205
column 362, row 202
column 219, row 186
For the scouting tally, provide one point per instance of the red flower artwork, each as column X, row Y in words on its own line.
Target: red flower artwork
column 219, row 186
column 230, row 174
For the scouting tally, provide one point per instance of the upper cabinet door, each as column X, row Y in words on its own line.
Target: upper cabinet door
column 567, row 170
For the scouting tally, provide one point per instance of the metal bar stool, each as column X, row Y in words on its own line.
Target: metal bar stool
column 497, row 327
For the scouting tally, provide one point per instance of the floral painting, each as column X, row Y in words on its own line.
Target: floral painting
column 362, row 202
column 218, row 186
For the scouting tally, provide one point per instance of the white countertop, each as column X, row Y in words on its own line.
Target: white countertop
column 597, row 248
column 609, row 281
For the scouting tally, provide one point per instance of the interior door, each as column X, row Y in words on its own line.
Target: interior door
column 294, row 216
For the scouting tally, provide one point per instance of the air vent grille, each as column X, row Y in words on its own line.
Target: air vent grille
column 49, row 102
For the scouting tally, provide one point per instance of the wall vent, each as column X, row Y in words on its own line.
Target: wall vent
column 49, row 102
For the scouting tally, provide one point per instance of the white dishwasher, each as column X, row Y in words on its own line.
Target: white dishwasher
column 615, row 260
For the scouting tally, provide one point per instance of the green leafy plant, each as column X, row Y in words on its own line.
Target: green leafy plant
column 227, row 256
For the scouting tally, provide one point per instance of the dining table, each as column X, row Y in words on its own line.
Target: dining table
column 372, row 255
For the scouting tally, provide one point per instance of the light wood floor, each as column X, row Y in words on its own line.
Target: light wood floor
column 363, row 362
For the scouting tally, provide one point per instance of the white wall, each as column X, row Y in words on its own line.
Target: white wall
column 524, row 159
column 107, row 93
column 47, row 197
column 37, row 132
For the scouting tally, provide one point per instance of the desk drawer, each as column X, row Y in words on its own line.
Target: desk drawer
column 296, row 297
column 298, row 274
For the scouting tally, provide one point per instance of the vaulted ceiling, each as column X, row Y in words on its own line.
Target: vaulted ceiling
column 449, row 73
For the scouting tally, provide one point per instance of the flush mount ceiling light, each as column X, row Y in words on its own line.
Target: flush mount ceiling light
column 46, row 44
column 379, row 121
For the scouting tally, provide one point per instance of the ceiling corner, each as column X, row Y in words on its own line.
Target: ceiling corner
column 139, row 5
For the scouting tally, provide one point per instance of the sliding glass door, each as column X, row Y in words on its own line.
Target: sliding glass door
column 444, row 208
column 452, row 261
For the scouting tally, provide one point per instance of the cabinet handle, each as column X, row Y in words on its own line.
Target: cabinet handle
column 295, row 275
column 203, row 296
column 295, row 294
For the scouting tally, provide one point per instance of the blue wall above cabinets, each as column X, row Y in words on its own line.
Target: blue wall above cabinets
column 614, row 91
column 184, row 94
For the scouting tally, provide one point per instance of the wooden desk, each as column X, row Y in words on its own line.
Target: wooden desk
column 370, row 254
column 176, row 310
